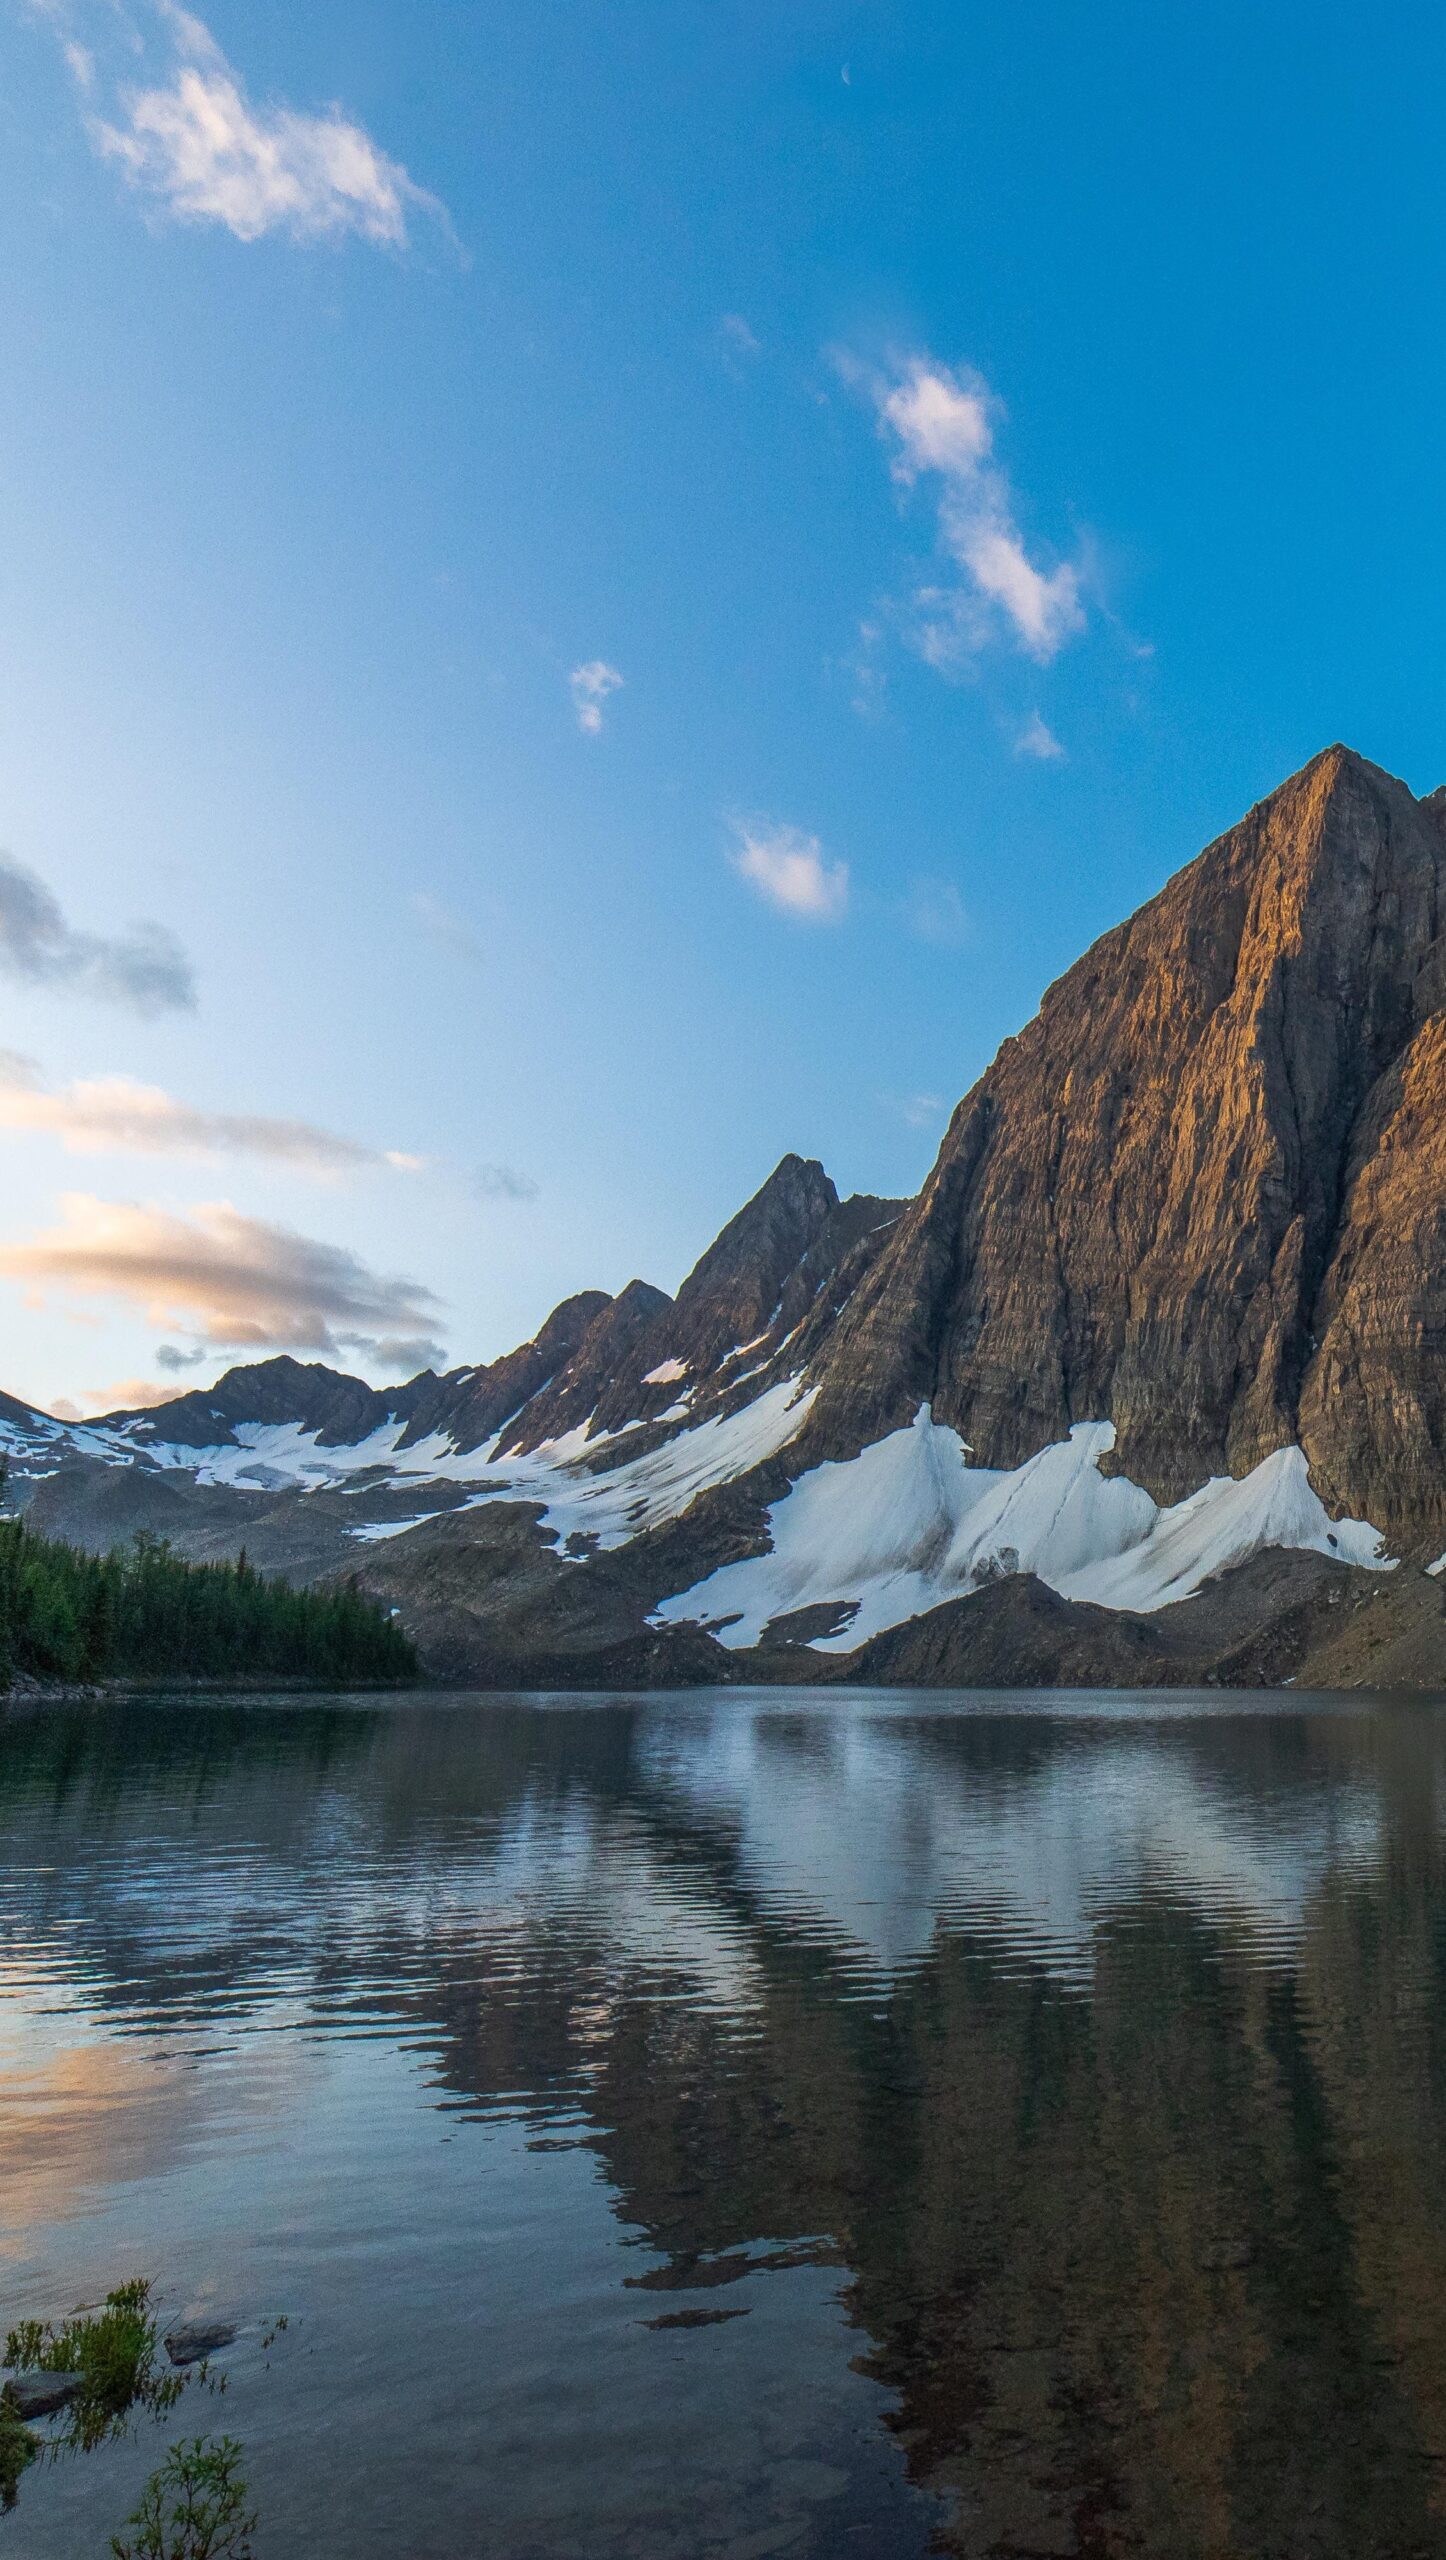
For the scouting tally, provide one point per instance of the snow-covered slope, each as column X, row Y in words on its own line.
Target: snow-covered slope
column 583, row 1495
column 882, row 1537
column 909, row 1524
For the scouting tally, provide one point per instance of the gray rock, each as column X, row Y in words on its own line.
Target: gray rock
column 36, row 2394
column 194, row 2339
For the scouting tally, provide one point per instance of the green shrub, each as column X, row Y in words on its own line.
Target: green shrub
column 193, row 2508
column 114, row 2350
column 18, row 2448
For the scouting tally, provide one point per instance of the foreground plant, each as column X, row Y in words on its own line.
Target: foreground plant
column 193, row 2508
column 114, row 2351
column 18, row 2449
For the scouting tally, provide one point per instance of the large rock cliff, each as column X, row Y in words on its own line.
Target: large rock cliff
column 1202, row 1193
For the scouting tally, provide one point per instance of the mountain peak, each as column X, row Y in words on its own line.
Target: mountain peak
column 1134, row 1213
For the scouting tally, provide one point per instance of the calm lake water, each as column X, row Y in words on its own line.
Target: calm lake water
column 1034, row 2108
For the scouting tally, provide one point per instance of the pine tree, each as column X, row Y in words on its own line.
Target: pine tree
column 143, row 1614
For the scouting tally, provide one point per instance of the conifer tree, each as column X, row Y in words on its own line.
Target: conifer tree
column 142, row 1613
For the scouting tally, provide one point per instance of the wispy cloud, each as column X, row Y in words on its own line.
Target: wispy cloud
column 790, row 870
column 935, row 911
column 144, row 968
column 226, row 1280
column 921, row 1109
column 112, row 1115
column 503, row 1182
column 940, row 423
column 590, row 686
column 736, row 341
column 446, row 928
column 123, row 1395
column 403, row 1353
column 867, row 680
column 1037, row 740
column 193, row 143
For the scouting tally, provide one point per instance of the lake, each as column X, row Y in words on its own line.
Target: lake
column 746, row 2123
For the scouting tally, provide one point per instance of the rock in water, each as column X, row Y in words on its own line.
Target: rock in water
column 197, row 2338
column 38, row 2395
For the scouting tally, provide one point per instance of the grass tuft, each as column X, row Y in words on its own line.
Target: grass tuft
column 114, row 2350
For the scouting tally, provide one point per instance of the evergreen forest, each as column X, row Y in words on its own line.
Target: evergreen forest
column 141, row 1613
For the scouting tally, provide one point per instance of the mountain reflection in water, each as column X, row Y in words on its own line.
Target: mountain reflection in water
column 1058, row 2088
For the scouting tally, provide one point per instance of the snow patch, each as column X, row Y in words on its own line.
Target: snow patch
column 617, row 1502
column 1228, row 1520
column 909, row 1523
column 666, row 1373
column 373, row 1531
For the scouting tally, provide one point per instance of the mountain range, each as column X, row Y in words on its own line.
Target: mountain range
column 1146, row 1387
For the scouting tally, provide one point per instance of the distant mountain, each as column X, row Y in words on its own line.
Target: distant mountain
column 612, row 1362
column 1149, row 1383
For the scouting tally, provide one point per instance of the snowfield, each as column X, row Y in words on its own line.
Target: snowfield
column 908, row 1524
column 608, row 1504
column 641, row 1493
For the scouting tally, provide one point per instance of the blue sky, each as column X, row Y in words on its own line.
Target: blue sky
column 991, row 446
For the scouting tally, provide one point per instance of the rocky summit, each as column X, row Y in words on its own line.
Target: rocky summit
column 1146, row 1386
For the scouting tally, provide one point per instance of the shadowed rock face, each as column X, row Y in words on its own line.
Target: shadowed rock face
column 747, row 1296
column 1373, row 1406
column 1190, row 1196
column 608, row 1352
column 320, row 1399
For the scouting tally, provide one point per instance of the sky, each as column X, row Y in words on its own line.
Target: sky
column 590, row 596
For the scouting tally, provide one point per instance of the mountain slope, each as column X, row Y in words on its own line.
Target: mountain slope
column 739, row 1305
column 1142, row 1211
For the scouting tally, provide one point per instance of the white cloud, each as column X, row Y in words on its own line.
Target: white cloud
column 590, row 686
column 112, row 1115
column 788, row 868
column 195, row 145
column 1037, row 740
column 144, row 969
column 940, row 422
column 226, row 1280
column 935, row 912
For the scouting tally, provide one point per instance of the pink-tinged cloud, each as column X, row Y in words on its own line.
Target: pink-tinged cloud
column 112, row 1115
column 227, row 1280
